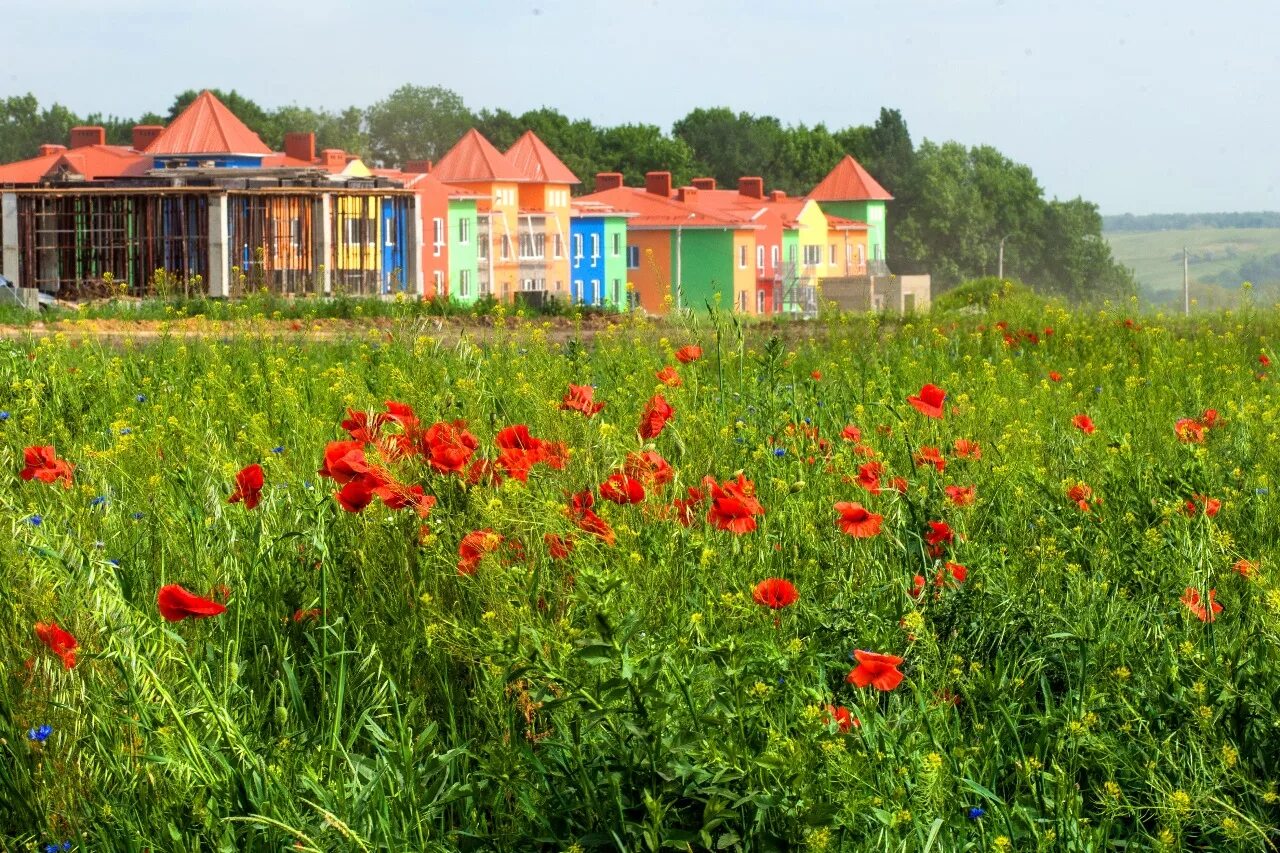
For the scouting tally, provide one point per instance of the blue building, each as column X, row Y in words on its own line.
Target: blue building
column 598, row 255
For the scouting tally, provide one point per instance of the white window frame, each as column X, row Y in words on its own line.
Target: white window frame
column 633, row 254
column 759, row 257
column 464, row 231
column 437, row 243
column 464, row 283
column 438, row 280
column 617, row 244
column 742, row 256
column 557, row 246
column 777, row 254
column 577, row 248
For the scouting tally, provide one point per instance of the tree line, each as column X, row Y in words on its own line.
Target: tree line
column 953, row 207
column 1181, row 221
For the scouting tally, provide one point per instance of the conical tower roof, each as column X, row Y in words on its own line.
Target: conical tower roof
column 848, row 181
column 539, row 163
column 206, row 126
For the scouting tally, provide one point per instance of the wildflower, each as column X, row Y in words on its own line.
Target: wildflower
column 59, row 641
column 966, row 449
column 975, row 812
column 654, row 417
column 688, row 353
column 622, row 489
column 448, row 447
column 668, row 376
column 733, row 504
column 930, row 456
column 840, row 715
column 176, row 604
column 301, row 615
column 248, row 486
column 877, row 670
column 278, row 449
column 779, row 452
column 851, row 433
column 939, row 536
column 957, row 571
column 355, row 495
column 35, row 520
column 98, row 501
column 1209, row 418
column 775, row 593
column 1081, row 494
column 869, row 474
column 649, row 468
column 1264, row 360
column 917, row 586
column 580, row 398
column 1191, row 598
column 141, row 398
column 1189, row 431
column 856, row 521
column 816, row 376
column 1245, row 568
column 684, row 508
column 962, row 495
column 558, row 547
column 1202, row 503
column 929, row 401
column 138, row 516
column 1084, row 423
column 4, row 416
column 520, row 451
column 1055, row 376
column 40, row 734
column 473, row 548
column 43, row 464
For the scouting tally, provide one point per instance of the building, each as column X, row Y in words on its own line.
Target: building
column 598, row 255
column 848, row 191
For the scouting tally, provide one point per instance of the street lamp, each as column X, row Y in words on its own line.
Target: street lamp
column 1000, row 266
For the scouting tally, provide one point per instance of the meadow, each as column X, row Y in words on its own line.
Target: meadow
column 998, row 581
column 1216, row 258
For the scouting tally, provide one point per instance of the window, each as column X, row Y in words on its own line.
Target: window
column 595, row 247
column 742, row 257
column 438, row 276
column 633, row 257
column 833, row 254
column 438, row 239
column 617, row 245
column 558, row 246
column 577, row 248
column 775, row 256
column 617, row 289
column 533, row 246
column 791, row 253
column 482, row 247
column 812, row 255
column 577, row 289
column 464, row 230
column 506, row 247
column 760, row 257
column 759, row 301
column 295, row 232
column 559, row 286
column 464, row 283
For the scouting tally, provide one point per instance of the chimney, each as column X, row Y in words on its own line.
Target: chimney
column 705, row 183
column 688, row 195
column 608, row 181
column 144, row 135
column 777, row 195
column 300, row 146
column 751, row 187
column 658, row 183
column 416, row 167
column 47, row 149
column 84, row 136
column 333, row 159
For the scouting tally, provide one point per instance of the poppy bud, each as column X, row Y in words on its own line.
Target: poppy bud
column 797, row 486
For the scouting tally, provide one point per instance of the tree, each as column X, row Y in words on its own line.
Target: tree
column 1077, row 262
column 634, row 149
column 255, row 117
column 416, row 123
column 344, row 130
column 499, row 127
column 806, row 155
column 24, row 127
column 727, row 146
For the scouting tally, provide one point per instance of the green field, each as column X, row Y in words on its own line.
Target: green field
column 1216, row 256
column 458, row 612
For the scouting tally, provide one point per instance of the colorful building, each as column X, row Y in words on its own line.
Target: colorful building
column 597, row 255
column 849, row 192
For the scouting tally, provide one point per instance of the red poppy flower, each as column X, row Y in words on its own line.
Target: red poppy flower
column 688, row 353
column 1203, row 503
column 930, row 456
column 176, row 604
column 248, row 486
column 966, row 449
column 473, row 548
column 402, row 414
column 1081, row 494
column 398, row 496
column 876, row 670
column 361, row 428
column 733, row 505
column 622, row 489
column 816, row 376
column 580, row 398
column 344, row 461
column 43, row 464
column 939, row 536
column 1084, row 423
column 448, row 447
column 1055, row 376
column 581, row 514
column 654, row 417
column 775, row 593
column 668, row 376
column 962, row 495
column 917, row 586
column 1189, row 431
column 856, row 521
column 685, row 508
column 929, row 402
column 851, row 433
column 558, row 547
column 869, row 476
column 520, row 451
column 59, row 641
column 355, row 495
column 841, row 717
column 301, row 615
column 1245, row 568
column 1210, row 418
column 899, row 485
column 649, row 468
column 1191, row 598
column 957, row 571
column 1264, row 360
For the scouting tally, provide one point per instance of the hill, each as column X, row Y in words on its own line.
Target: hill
column 1221, row 259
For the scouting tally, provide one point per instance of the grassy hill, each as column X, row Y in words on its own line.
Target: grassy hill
column 1220, row 260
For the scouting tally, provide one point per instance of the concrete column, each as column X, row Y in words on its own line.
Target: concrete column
column 322, row 243
column 9, row 237
column 413, row 251
column 219, row 248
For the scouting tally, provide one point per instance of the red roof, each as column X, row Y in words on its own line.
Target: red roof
column 655, row 211
column 538, row 163
column 839, row 223
column 206, row 126
column 90, row 162
column 848, row 181
column 474, row 160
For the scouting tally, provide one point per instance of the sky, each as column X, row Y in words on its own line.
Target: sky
column 1141, row 106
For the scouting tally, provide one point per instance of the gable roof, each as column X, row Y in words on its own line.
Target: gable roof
column 848, row 181
column 537, row 162
column 90, row 162
column 655, row 211
column 206, row 126
column 473, row 159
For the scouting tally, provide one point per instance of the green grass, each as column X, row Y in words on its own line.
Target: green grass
column 1217, row 253
column 633, row 696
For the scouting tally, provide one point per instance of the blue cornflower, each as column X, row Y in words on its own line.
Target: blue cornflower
column 35, row 520
column 1262, row 491
column 125, row 431
column 279, row 449
column 808, row 421
column 975, row 812
column 779, row 451
column 115, row 563
column 40, row 734
column 4, row 416
column 138, row 515
column 306, row 484
column 98, row 501
column 1097, row 389
column 141, row 398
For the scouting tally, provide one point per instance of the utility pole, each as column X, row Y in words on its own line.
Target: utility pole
column 1000, row 263
column 1186, row 285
